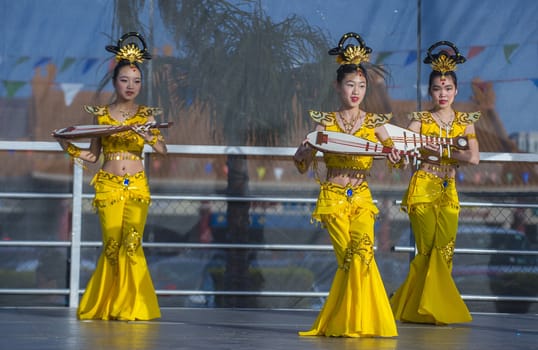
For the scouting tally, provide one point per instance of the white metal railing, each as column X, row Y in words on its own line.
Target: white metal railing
column 76, row 225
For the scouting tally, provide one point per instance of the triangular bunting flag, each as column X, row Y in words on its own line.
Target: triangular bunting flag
column 475, row 51
column 70, row 90
column 509, row 50
column 67, row 63
column 88, row 65
column 22, row 60
column 42, row 61
column 13, row 86
column 411, row 57
column 382, row 56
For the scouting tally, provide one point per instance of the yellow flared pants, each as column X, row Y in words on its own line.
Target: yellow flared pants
column 120, row 287
column 429, row 294
column 357, row 305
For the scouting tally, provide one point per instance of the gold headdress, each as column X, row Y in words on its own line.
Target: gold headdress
column 444, row 61
column 130, row 51
column 351, row 54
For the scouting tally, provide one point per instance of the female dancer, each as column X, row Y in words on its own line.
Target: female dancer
column 357, row 305
column 429, row 295
column 121, row 287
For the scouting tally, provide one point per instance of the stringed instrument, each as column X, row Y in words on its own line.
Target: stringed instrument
column 405, row 139
column 95, row 130
column 338, row 142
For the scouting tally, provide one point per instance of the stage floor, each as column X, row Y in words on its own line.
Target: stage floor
column 239, row 329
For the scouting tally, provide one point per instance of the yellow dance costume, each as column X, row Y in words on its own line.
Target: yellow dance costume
column 357, row 305
column 429, row 294
column 121, row 287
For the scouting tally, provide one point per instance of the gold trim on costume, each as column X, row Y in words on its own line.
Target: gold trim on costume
column 323, row 118
column 462, row 118
column 96, row 110
column 132, row 242
column 448, row 170
column 122, row 156
column 374, row 120
column 467, row 118
column 371, row 120
column 351, row 173
column 73, row 150
column 112, row 248
column 448, row 251
column 144, row 111
column 363, row 248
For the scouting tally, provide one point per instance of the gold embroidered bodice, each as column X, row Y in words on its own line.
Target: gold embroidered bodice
column 430, row 128
column 125, row 141
column 366, row 131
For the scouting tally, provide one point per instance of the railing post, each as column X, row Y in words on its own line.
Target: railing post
column 76, row 229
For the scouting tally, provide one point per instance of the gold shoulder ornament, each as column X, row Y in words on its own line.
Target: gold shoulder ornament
column 146, row 111
column 96, row 110
column 374, row 120
column 323, row 118
column 467, row 118
column 423, row 117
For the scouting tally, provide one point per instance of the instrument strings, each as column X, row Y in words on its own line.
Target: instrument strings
column 366, row 146
column 414, row 140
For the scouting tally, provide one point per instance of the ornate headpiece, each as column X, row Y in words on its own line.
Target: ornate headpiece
column 130, row 51
column 444, row 61
column 351, row 54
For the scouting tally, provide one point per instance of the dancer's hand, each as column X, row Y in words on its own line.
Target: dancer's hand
column 143, row 131
column 394, row 156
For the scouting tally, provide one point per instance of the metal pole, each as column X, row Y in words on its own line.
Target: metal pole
column 76, row 229
column 150, row 64
column 419, row 53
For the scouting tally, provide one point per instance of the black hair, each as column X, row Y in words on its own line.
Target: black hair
column 349, row 68
column 369, row 70
column 434, row 74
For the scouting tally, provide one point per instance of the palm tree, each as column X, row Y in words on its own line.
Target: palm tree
column 251, row 74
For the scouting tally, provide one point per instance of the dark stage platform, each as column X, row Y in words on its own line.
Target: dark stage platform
column 239, row 329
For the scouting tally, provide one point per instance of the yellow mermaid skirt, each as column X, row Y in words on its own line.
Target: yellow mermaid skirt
column 120, row 287
column 429, row 294
column 357, row 305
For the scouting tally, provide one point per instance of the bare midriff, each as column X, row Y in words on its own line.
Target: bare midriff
column 345, row 177
column 123, row 167
column 443, row 171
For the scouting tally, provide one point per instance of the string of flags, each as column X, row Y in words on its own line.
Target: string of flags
column 85, row 65
column 472, row 52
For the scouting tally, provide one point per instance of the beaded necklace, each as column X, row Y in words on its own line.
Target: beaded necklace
column 348, row 126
